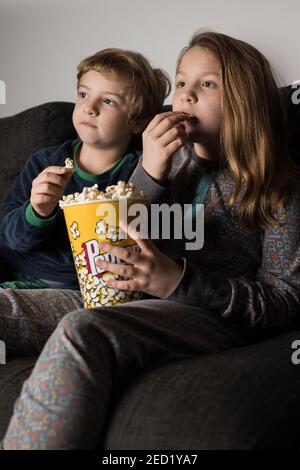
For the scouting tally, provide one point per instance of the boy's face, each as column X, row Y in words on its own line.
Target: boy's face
column 199, row 92
column 100, row 112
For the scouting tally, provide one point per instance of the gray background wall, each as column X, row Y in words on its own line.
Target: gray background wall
column 43, row 41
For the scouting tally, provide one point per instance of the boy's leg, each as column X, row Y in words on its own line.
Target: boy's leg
column 91, row 355
column 29, row 316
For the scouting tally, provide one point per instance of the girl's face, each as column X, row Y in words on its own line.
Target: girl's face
column 199, row 93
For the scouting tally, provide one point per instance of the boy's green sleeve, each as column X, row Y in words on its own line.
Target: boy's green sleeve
column 33, row 219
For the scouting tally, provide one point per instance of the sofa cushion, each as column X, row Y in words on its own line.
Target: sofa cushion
column 22, row 134
column 243, row 398
column 12, row 376
column 294, row 121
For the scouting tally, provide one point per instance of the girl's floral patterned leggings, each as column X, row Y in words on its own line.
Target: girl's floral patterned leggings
column 90, row 357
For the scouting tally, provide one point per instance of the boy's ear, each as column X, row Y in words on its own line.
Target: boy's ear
column 137, row 127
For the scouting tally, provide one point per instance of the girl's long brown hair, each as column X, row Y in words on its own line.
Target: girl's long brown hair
column 253, row 136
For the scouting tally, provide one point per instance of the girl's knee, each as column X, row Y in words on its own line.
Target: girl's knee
column 81, row 322
column 74, row 319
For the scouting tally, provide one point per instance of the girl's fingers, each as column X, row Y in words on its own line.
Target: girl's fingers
column 167, row 123
column 171, row 135
column 123, row 285
column 172, row 147
column 158, row 118
column 120, row 252
column 145, row 244
column 121, row 269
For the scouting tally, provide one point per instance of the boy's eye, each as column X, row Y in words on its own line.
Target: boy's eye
column 82, row 94
column 180, row 84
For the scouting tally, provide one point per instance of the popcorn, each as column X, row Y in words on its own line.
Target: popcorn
column 74, row 230
column 108, row 231
column 69, row 163
column 87, row 225
column 113, row 192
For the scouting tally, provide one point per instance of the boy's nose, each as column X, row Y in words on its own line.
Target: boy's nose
column 90, row 110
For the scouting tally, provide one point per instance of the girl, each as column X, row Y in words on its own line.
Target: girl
column 245, row 279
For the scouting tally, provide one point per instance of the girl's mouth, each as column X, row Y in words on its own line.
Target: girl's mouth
column 192, row 118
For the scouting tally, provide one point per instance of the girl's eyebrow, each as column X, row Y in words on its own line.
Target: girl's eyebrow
column 208, row 72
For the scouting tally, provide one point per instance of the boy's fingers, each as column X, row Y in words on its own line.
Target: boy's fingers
column 58, row 170
column 49, row 181
column 47, row 190
column 54, row 178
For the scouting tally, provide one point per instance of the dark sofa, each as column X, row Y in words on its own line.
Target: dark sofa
column 243, row 398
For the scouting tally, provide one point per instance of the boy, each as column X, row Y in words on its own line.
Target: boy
column 118, row 94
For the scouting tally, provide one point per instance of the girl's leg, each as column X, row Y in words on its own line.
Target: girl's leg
column 29, row 316
column 91, row 354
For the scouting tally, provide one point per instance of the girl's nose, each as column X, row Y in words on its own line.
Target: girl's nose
column 189, row 97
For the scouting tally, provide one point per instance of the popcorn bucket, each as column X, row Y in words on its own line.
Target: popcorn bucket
column 89, row 223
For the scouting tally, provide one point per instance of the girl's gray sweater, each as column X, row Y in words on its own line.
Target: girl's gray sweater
column 252, row 279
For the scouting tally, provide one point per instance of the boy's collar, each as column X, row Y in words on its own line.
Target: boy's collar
column 89, row 176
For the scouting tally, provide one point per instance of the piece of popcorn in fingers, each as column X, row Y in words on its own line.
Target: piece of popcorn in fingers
column 69, row 163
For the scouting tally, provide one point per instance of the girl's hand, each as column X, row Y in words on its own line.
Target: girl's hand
column 161, row 139
column 149, row 271
column 48, row 188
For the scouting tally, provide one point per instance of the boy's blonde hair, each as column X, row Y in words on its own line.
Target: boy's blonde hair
column 149, row 87
column 253, row 135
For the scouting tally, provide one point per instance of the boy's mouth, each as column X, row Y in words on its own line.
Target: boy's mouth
column 85, row 123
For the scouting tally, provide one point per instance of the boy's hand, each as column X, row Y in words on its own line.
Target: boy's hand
column 161, row 139
column 149, row 271
column 48, row 188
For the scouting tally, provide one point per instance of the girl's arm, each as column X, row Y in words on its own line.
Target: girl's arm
column 272, row 299
column 161, row 139
column 156, row 191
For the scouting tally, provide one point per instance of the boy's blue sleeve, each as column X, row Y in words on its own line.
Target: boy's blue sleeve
column 20, row 228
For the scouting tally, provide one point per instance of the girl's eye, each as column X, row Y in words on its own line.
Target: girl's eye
column 209, row 84
column 110, row 102
column 180, row 84
column 82, row 94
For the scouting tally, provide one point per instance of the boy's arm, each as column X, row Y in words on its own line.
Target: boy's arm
column 271, row 300
column 21, row 228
